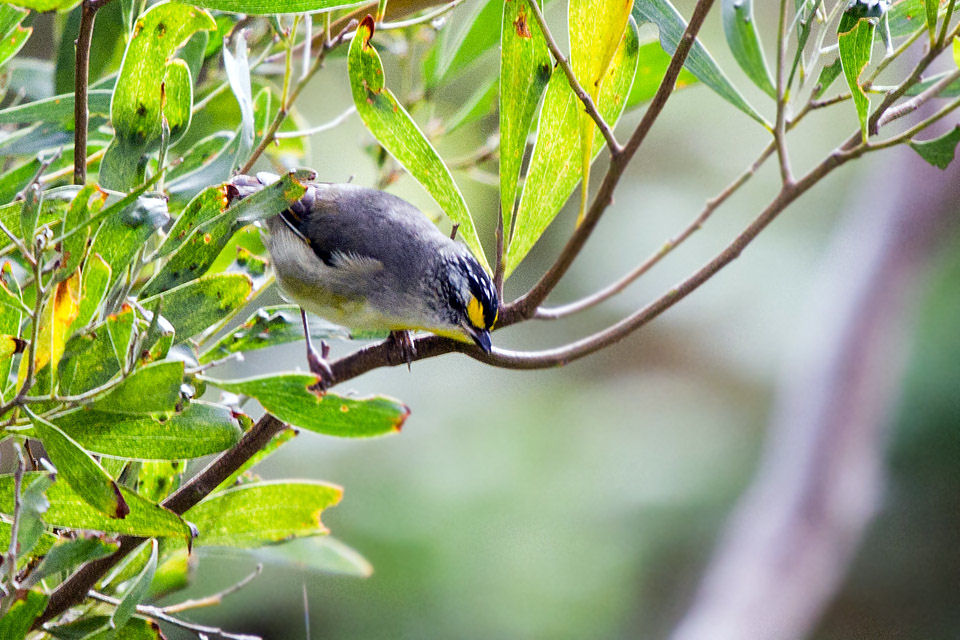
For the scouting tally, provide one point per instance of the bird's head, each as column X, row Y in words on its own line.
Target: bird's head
column 469, row 298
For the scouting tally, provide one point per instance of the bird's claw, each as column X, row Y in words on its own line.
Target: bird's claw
column 403, row 343
column 320, row 367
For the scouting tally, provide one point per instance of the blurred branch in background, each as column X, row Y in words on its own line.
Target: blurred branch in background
column 796, row 529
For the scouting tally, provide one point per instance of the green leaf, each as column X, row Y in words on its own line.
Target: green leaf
column 123, row 234
column 67, row 509
column 460, row 44
column 93, row 357
column 652, row 63
column 855, row 37
column 73, row 247
column 269, row 326
column 940, row 151
column 58, row 109
column 137, row 591
column 317, row 554
column 904, row 16
column 596, row 28
column 34, row 504
column 525, row 69
column 199, row 429
column 270, row 7
column 262, row 513
column 10, row 315
column 80, row 470
column 672, row 25
column 12, row 35
column 93, row 287
column 27, row 607
column 289, row 397
column 554, row 165
column 393, row 128
column 152, row 85
column 159, row 478
column 740, row 27
column 200, row 304
column 154, row 388
column 98, row 628
column 68, row 554
column 931, row 7
column 828, row 74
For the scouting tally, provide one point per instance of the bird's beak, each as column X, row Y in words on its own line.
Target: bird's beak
column 481, row 338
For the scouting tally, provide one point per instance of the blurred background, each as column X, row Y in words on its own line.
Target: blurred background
column 779, row 449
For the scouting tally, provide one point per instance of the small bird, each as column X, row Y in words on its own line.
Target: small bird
column 369, row 261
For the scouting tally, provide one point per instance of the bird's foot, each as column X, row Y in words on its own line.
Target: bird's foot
column 320, row 366
column 403, row 344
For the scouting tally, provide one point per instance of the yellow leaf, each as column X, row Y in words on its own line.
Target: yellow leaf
column 55, row 319
column 596, row 29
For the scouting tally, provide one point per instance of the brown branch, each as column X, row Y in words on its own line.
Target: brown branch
column 81, row 116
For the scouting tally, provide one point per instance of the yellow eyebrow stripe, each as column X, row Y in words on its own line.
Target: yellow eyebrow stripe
column 475, row 313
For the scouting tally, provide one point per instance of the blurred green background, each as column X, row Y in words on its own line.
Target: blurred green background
column 583, row 502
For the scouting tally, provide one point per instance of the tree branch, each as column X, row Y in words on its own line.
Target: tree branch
column 88, row 13
column 75, row 589
column 526, row 305
column 779, row 129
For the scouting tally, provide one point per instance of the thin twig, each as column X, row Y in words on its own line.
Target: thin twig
column 942, row 38
column 611, row 290
column 779, row 129
column 216, row 598
column 917, row 101
column 160, row 614
column 285, row 104
column 11, row 556
column 588, row 104
column 320, row 128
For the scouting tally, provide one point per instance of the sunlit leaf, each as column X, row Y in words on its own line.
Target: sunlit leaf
column 740, row 27
column 671, row 25
column 12, row 35
column 152, row 84
column 555, row 162
column 261, row 513
column 855, row 37
column 67, row 509
column 10, row 315
column 596, row 28
column 93, row 627
column 154, row 388
column 80, row 470
column 198, row 429
column 939, row 151
column 199, row 304
column 290, row 397
column 26, row 608
column 123, row 234
column 159, row 478
column 398, row 133
column 525, row 68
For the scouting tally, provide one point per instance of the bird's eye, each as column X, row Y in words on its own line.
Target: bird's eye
column 475, row 313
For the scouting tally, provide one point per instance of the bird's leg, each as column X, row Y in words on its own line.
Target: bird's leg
column 402, row 342
column 317, row 361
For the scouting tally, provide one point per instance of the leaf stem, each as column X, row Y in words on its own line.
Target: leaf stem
column 588, row 104
column 779, row 129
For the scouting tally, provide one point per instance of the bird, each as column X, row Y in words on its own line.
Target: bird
column 370, row 261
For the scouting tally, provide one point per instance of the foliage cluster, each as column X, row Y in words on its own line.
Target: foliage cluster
column 120, row 292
